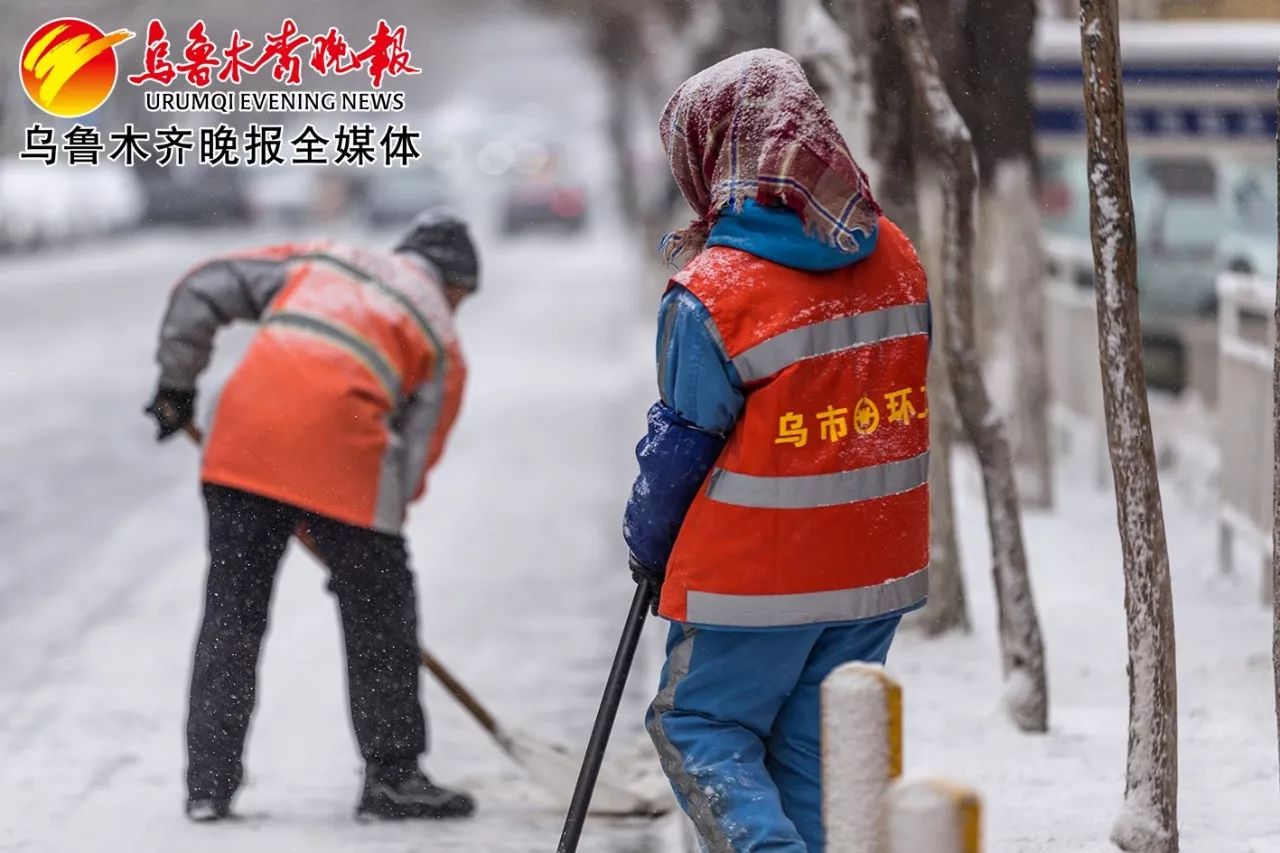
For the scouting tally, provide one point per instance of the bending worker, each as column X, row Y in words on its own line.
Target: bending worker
column 330, row 423
column 782, row 507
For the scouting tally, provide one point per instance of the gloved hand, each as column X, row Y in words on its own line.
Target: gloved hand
column 173, row 409
column 643, row 574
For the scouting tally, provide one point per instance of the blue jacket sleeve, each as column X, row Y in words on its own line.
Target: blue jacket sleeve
column 701, row 400
column 695, row 377
column 674, row 458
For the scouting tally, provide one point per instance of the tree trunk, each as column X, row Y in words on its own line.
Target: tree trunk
column 885, row 92
column 743, row 26
column 615, row 41
column 1014, row 187
column 1275, row 474
column 997, row 106
column 618, row 88
column 884, row 114
column 948, row 608
column 1016, row 271
column 1149, row 821
column 1026, row 693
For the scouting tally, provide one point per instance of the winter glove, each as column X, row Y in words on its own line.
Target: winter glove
column 173, row 409
column 652, row 577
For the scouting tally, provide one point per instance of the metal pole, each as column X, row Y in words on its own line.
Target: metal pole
column 609, row 702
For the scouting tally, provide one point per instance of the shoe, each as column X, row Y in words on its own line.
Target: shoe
column 208, row 809
column 408, row 793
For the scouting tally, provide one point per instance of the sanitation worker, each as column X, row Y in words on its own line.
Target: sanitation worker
column 328, row 427
column 782, row 505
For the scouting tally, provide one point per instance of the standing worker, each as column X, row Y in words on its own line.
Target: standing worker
column 330, row 423
column 782, row 507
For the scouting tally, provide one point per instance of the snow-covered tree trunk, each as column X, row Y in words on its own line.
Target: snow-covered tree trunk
column 885, row 110
column 1149, row 821
column 991, row 86
column 1012, row 260
column 948, row 608
column 1275, row 473
column 1026, row 691
column 1026, row 270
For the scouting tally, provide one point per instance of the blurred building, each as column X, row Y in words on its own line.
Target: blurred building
column 1219, row 9
column 1170, row 9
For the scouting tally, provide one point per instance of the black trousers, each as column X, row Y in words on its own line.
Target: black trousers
column 369, row 575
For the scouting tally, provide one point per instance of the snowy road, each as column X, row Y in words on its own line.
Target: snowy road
column 521, row 573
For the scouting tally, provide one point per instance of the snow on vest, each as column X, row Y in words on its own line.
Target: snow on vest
column 817, row 509
column 346, row 394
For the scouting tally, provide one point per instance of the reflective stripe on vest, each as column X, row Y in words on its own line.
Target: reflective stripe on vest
column 419, row 319
column 815, row 512
column 346, row 339
column 815, row 490
column 768, row 357
column 807, row 608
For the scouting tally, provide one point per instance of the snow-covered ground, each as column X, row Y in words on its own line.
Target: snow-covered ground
column 522, row 576
column 1060, row 792
column 522, row 587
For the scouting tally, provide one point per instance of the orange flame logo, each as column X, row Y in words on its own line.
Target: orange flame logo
column 68, row 66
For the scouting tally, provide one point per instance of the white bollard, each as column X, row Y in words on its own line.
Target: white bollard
column 934, row 815
column 861, row 755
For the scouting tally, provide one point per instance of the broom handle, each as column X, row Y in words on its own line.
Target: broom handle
column 464, row 696
column 600, row 732
column 429, row 661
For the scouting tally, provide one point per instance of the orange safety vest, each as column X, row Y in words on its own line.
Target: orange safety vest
column 347, row 392
column 817, row 509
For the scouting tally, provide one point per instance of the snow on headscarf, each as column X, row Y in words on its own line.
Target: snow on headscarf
column 751, row 126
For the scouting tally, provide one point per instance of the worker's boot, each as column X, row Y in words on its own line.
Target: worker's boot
column 208, row 809
column 406, row 792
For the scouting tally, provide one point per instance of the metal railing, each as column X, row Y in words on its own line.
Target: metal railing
column 1071, row 344
column 1245, row 418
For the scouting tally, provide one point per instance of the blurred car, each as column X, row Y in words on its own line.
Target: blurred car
column 1194, row 218
column 395, row 196
column 194, row 195
column 280, row 195
column 46, row 205
column 1249, row 246
column 542, row 202
column 301, row 195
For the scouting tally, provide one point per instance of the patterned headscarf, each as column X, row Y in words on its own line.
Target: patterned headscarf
column 751, row 126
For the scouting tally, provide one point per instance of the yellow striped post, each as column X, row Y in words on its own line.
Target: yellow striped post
column 936, row 815
column 861, row 755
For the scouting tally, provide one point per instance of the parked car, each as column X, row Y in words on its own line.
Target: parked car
column 395, row 196
column 1249, row 245
column 194, row 195
column 544, row 202
column 1194, row 217
column 46, row 205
